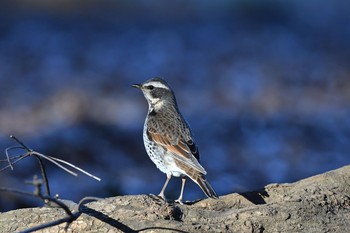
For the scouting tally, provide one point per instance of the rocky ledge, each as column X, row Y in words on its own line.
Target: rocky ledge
column 317, row 204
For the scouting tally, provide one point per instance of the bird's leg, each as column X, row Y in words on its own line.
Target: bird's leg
column 179, row 200
column 161, row 194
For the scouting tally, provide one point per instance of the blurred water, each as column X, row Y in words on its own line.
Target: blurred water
column 264, row 86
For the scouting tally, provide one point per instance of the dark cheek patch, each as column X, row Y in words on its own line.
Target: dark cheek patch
column 158, row 92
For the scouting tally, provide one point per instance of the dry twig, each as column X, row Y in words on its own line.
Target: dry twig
column 71, row 215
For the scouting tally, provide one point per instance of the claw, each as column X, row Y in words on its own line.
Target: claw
column 161, row 195
column 179, row 201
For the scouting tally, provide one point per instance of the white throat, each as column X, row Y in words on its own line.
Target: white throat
column 155, row 104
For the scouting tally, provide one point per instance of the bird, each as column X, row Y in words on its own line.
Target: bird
column 168, row 138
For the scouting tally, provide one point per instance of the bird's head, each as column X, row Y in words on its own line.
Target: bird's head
column 157, row 92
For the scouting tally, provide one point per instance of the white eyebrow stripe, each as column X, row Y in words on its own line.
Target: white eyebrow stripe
column 157, row 84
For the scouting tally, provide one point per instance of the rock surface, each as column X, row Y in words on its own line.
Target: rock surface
column 317, row 204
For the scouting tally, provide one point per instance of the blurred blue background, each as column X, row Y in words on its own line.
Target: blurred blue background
column 264, row 85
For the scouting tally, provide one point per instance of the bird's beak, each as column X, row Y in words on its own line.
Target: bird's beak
column 138, row 86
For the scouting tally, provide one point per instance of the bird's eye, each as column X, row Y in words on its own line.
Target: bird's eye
column 150, row 87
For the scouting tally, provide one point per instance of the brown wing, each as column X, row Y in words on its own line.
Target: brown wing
column 185, row 152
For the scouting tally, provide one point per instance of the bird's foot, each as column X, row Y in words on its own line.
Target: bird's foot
column 179, row 201
column 161, row 195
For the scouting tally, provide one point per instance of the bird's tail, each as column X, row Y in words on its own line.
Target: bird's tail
column 205, row 186
column 199, row 179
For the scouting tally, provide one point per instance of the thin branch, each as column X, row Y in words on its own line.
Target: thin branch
column 71, row 215
column 17, row 191
column 7, row 154
column 75, row 167
column 74, row 215
column 11, row 158
column 41, row 164
column 21, row 143
column 37, row 183
column 54, row 162
column 42, row 197
column 44, row 175
column 84, row 201
column 67, row 219
column 59, row 203
column 18, row 158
